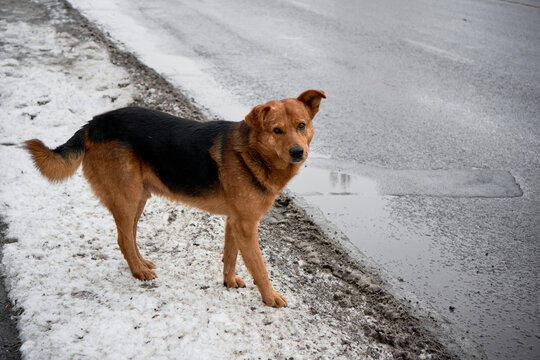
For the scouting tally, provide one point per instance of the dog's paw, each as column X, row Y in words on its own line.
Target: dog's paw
column 149, row 264
column 143, row 273
column 275, row 299
column 234, row 282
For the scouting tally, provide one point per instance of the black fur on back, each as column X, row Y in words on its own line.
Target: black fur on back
column 177, row 149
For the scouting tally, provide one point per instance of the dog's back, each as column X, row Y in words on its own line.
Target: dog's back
column 176, row 149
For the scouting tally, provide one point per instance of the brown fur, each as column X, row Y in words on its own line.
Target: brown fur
column 254, row 165
column 52, row 165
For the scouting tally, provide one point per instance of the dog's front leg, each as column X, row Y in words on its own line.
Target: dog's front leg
column 230, row 253
column 245, row 236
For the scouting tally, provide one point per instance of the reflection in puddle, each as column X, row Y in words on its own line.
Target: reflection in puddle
column 318, row 181
column 342, row 181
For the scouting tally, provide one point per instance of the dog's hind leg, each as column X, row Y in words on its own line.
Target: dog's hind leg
column 140, row 208
column 230, row 253
column 115, row 175
column 124, row 214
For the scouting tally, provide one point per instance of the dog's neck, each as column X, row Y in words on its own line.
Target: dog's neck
column 270, row 177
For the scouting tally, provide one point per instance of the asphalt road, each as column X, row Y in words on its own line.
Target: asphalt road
column 413, row 88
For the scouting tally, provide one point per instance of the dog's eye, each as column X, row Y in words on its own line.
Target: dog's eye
column 278, row 131
column 301, row 126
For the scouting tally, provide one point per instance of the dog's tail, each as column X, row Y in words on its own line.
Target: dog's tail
column 60, row 163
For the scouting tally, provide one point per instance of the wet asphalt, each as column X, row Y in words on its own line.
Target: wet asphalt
column 438, row 97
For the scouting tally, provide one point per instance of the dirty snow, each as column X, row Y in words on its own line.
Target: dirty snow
column 63, row 266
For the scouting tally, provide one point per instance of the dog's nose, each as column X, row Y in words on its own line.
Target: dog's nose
column 297, row 153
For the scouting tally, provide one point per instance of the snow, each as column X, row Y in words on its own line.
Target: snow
column 64, row 268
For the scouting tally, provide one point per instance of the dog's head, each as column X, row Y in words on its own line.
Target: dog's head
column 283, row 129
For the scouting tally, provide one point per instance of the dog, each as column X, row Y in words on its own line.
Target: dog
column 235, row 169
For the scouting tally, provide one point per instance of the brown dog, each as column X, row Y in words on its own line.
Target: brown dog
column 230, row 168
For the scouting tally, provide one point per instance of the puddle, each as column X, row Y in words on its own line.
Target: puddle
column 315, row 181
column 441, row 182
column 356, row 199
column 354, row 204
column 449, row 183
column 349, row 201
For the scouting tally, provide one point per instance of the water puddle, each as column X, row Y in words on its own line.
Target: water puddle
column 354, row 204
column 356, row 199
column 349, row 201
column 322, row 174
column 316, row 181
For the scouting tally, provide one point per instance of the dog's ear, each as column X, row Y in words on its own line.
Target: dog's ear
column 312, row 100
column 256, row 116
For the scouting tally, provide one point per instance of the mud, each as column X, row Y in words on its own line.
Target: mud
column 337, row 286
